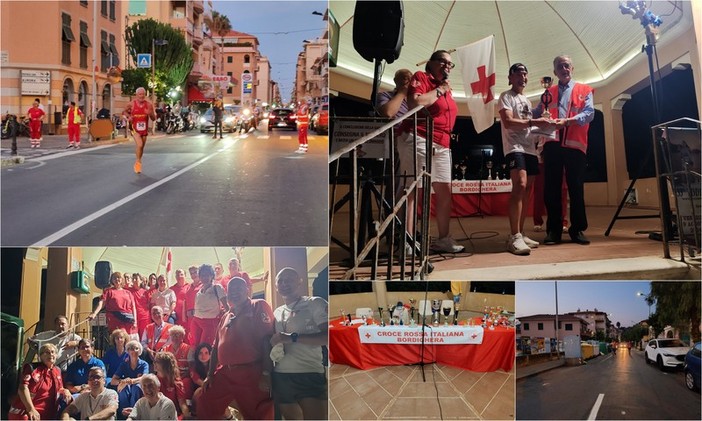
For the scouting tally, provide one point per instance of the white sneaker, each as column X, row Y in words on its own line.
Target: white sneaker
column 447, row 245
column 516, row 245
column 538, row 228
column 529, row 242
column 565, row 228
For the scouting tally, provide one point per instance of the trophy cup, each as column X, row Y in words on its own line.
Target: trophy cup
column 447, row 311
column 488, row 165
column 413, row 302
column 435, row 309
column 391, row 310
column 463, row 166
column 343, row 317
column 380, row 316
column 546, row 97
column 456, row 306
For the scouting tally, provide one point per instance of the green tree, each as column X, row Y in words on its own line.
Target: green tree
column 219, row 24
column 677, row 305
column 173, row 61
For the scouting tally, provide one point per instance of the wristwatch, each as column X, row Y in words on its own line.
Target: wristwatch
column 294, row 336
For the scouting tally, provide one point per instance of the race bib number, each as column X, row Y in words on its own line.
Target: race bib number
column 141, row 125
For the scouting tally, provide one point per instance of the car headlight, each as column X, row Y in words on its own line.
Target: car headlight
column 203, row 120
column 229, row 120
column 246, row 111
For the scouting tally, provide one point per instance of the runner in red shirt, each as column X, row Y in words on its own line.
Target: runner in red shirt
column 138, row 113
column 240, row 365
column 36, row 117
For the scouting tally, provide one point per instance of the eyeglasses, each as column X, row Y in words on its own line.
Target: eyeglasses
column 132, row 348
column 446, row 63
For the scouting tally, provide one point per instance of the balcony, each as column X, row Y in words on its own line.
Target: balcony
column 198, row 5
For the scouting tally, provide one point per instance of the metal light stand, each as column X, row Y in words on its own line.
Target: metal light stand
column 649, row 22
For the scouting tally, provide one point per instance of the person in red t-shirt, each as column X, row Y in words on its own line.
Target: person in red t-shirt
column 74, row 118
column 190, row 303
column 141, row 301
column 120, row 309
column 36, row 118
column 240, row 365
column 303, row 122
column 236, row 272
column 166, row 369
column 138, row 113
column 40, row 389
column 180, row 289
column 432, row 90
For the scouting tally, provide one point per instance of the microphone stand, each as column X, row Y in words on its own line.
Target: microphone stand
column 424, row 325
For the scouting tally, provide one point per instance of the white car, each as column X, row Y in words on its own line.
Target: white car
column 666, row 352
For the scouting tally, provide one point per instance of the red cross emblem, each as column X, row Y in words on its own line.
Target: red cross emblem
column 483, row 85
column 368, row 335
column 473, row 336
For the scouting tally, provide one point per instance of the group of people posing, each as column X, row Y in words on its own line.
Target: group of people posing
column 554, row 141
column 202, row 349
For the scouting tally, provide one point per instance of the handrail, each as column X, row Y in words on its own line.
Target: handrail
column 387, row 222
column 351, row 146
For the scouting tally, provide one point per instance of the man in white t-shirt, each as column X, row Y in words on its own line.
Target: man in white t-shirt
column 153, row 406
column 100, row 404
column 520, row 155
column 65, row 340
column 299, row 382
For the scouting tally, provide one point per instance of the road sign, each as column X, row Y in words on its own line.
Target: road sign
column 144, row 61
column 36, row 82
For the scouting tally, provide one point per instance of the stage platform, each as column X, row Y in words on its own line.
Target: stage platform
column 627, row 253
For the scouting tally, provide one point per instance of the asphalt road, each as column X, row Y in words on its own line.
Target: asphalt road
column 629, row 389
column 244, row 190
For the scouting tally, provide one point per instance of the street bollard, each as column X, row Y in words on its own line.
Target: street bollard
column 13, row 125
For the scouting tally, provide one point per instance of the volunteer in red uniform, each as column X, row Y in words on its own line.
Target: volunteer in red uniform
column 36, row 117
column 41, row 389
column 431, row 89
column 138, row 113
column 240, row 365
column 74, row 118
column 180, row 289
column 155, row 337
column 141, row 301
column 119, row 306
column 303, row 122
column 190, row 303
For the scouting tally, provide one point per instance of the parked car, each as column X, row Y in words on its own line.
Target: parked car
column 692, row 367
column 282, row 118
column 229, row 121
column 319, row 122
column 314, row 115
column 666, row 352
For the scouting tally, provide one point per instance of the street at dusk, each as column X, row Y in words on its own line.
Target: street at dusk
column 248, row 189
column 632, row 390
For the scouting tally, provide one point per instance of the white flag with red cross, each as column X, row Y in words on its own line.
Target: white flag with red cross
column 478, row 70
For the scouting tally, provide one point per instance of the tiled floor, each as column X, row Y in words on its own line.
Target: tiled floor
column 399, row 393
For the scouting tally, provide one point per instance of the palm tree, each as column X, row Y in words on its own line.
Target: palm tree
column 219, row 24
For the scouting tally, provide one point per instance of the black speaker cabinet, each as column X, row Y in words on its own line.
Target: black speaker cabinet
column 378, row 30
column 103, row 271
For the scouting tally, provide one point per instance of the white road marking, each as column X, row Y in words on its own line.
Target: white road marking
column 286, row 137
column 45, row 158
column 596, row 408
column 93, row 216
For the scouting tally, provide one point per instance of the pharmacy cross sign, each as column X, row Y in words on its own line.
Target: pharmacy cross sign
column 483, row 85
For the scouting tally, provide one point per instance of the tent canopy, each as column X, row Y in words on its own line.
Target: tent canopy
column 597, row 37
